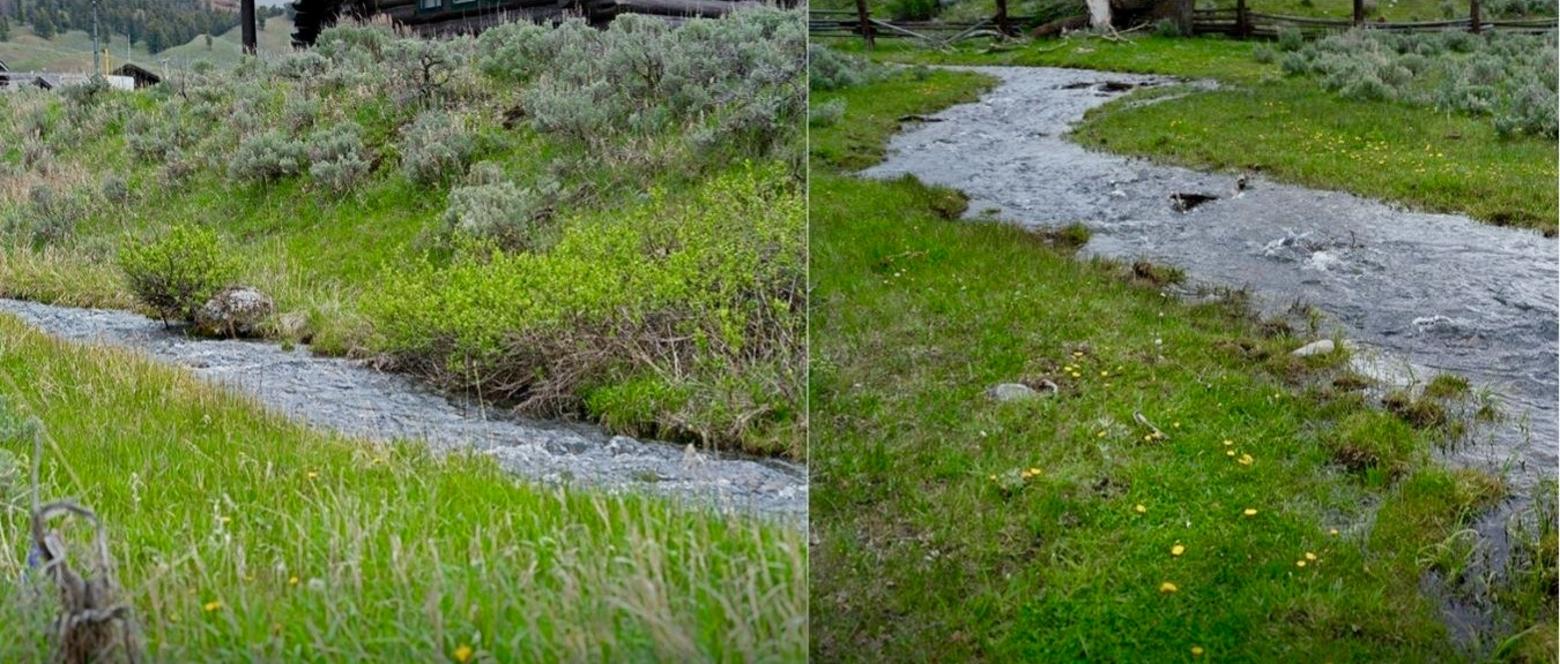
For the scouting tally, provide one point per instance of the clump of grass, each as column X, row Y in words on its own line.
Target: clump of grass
column 1071, row 236
column 1156, row 274
column 1371, row 441
column 1446, row 386
column 1422, row 412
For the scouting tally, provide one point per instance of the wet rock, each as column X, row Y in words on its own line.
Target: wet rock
column 1322, row 347
column 1184, row 202
column 1014, row 392
column 235, row 311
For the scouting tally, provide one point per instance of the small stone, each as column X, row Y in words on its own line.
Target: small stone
column 1322, row 347
column 1013, row 392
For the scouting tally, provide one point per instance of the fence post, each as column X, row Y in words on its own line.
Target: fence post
column 1473, row 16
column 866, row 23
column 1002, row 18
column 1359, row 12
column 1242, row 19
column 1184, row 17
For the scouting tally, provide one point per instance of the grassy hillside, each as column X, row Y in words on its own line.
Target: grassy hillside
column 482, row 213
column 1189, row 490
column 71, row 51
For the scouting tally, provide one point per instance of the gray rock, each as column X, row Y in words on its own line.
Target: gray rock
column 1013, row 392
column 1322, row 347
column 235, row 311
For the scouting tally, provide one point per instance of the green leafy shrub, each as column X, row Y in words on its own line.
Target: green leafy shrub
column 436, row 147
column 703, row 292
column 175, row 274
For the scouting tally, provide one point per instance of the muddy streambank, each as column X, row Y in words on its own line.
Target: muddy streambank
column 347, row 397
column 1421, row 292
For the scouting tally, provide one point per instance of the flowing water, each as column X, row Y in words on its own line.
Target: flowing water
column 1424, row 292
column 355, row 400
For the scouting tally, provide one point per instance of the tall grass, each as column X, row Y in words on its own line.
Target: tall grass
column 242, row 536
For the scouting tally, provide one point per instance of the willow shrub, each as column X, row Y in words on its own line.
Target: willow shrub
column 680, row 317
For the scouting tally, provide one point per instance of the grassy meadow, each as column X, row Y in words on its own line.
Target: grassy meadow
column 1189, row 491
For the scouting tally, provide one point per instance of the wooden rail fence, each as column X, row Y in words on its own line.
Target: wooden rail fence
column 1242, row 23
column 1238, row 21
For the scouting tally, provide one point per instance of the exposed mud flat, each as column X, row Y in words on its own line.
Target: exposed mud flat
column 355, row 400
column 1433, row 291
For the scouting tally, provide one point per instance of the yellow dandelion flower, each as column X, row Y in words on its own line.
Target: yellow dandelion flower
column 313, row 474
column 1168, row 587
column 1177, row 550
column 1077, row 375
column 1299, row 563
column 1250, row 511
column 993, row 477
column 1229, row 453
column 1100, row 435
column 1034, row 471
column 213, row 605
column 1310, row 556
column 1140, row 508
column 463, row 653
column 292, row 581
column 1333, row 532
column 1245, row 459
column 1197, row 651
column 1228, row 442
column 1104, row 374
column 1176, row 425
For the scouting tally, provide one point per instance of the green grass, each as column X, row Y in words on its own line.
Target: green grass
column 241, row 536
column 1292, row 130
column 951, row 527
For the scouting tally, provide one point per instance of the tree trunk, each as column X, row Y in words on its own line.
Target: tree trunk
column 866, row 23
column 1099, row 14
column 246, row 17
column 1473, row 16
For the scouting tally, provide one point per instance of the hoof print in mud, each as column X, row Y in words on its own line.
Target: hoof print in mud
column 235, row 311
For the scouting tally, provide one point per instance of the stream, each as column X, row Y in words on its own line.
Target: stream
column 1419, row 293
column 350, row 398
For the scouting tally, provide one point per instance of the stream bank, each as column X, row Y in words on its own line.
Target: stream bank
column 352, row 399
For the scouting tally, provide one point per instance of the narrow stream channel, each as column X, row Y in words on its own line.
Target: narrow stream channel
column 1428, row 292
column 347, row 397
